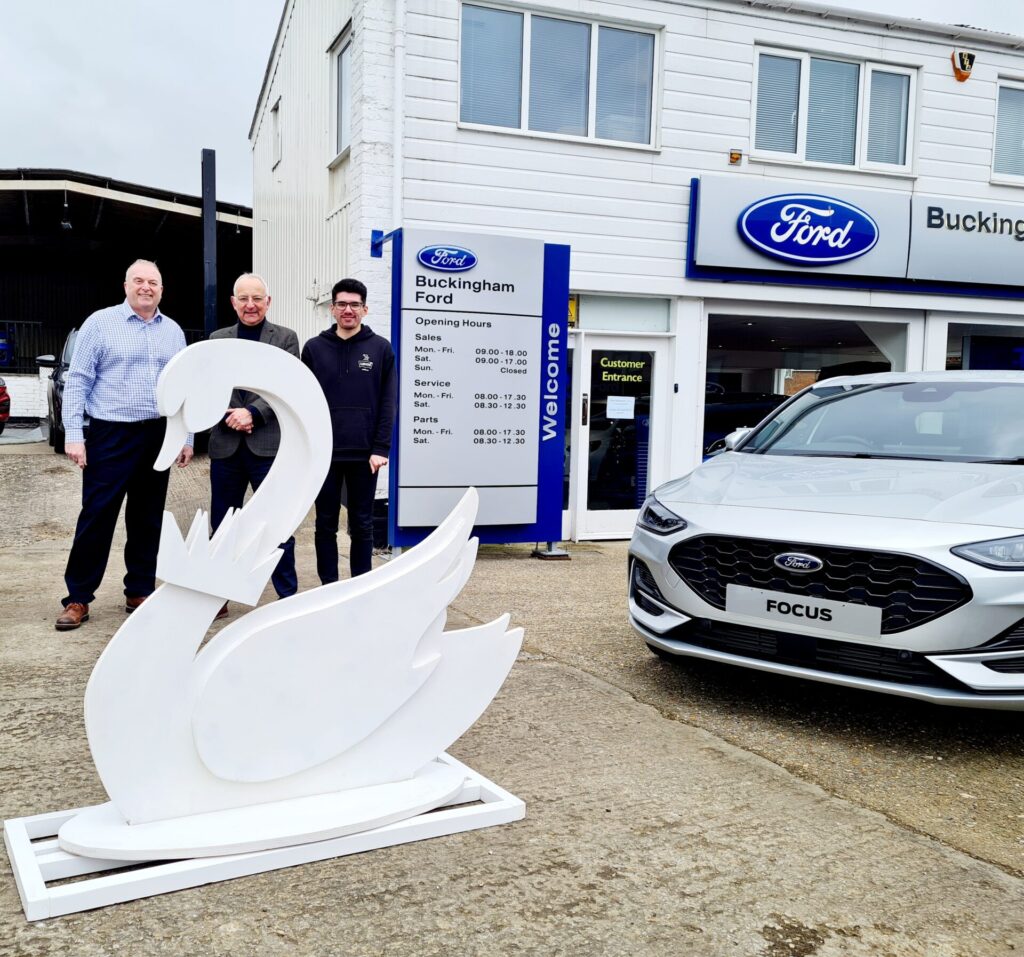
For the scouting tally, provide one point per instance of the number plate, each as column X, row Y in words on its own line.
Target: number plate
column 800, row 610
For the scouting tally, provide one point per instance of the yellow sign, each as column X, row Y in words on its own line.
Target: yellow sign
column 574, row 311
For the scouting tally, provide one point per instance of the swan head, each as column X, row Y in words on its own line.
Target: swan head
column 194, row 393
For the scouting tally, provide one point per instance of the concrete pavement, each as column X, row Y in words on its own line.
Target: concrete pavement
column 646, row 833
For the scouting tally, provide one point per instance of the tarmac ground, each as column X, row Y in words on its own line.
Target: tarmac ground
column 672, row 807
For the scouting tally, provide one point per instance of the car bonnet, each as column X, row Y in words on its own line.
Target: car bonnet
column 951, row 492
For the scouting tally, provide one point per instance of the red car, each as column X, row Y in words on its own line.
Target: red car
column 5, row 405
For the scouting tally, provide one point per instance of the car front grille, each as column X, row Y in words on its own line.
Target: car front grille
column 909, row 590
column 820, row 654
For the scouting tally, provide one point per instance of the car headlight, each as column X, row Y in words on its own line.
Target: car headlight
column 656, row 518
column 1003, row 553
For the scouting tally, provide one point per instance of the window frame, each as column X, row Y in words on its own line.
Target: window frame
column 595, row 23
column 341, row 46
column 995, row 176
column 867, row 68
column 275, row 134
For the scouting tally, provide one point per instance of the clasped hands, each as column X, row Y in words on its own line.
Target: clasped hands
column 239, row 419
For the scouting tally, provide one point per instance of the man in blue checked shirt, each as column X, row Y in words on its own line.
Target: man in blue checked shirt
column 118, row 357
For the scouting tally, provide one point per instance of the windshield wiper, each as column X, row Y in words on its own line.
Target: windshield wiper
column 867, row 455
column 1016, row 461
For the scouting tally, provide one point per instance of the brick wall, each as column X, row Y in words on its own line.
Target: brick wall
column 28, row 394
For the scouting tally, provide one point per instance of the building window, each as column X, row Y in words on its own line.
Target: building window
column 1008, row 159
column 545, row 74
column 275, row 132
column 341, row 71
column 838, row 112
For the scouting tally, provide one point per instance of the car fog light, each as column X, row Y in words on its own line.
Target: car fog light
column 1004, row 553
column 656, row 518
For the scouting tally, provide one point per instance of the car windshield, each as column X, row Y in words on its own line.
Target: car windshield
column 948, row 421
column 69, row 347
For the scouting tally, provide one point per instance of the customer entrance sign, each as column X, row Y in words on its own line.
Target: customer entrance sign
column 479, row 331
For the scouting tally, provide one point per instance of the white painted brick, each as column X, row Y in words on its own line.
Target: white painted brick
column 28, row 394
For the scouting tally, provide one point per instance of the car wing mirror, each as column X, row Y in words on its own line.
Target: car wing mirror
column 735, row 437
column 46, row 362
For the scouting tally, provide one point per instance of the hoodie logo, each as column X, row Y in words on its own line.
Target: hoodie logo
column 366, row 363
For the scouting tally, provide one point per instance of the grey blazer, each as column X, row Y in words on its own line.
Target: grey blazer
column 264, row 439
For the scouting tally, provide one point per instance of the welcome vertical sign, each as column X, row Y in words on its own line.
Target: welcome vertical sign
column 479, row 324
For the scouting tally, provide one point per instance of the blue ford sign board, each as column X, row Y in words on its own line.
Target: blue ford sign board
column 808, row 229
column 743, row 228
column 743, row 223
column 479, row 328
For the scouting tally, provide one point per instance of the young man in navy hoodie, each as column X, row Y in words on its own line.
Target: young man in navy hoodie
column 356, row 369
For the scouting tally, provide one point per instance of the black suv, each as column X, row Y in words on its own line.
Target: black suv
column 55, row 390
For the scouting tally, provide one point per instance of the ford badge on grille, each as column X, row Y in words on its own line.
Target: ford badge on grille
column 798, row 562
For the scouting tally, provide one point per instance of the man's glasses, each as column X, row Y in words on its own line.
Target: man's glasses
column 347, row 306
column 255, row 300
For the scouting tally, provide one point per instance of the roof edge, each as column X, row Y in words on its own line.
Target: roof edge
column 270, row 62
column 948, row 30
column 107, row 182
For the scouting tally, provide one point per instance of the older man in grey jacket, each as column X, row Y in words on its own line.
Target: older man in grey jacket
column 244, row 443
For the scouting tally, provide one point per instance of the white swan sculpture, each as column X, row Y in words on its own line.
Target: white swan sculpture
column 312, row 717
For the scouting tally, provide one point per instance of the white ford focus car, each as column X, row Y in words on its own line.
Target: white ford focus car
column 869, row 533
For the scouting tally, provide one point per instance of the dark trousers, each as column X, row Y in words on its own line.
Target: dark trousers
column 119, row 457
column 361, row 484
column 229, row 479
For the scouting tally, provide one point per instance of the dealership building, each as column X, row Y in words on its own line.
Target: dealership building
column 756, row 194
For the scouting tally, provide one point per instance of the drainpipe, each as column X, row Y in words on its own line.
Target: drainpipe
column 398, row 119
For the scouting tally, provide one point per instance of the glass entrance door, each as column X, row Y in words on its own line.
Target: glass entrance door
column 614, row 427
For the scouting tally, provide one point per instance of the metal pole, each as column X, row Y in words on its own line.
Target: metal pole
column 209, row 241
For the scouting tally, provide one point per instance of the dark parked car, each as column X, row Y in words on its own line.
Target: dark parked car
column 55, row 390
column 724, row 412
column 5, row 405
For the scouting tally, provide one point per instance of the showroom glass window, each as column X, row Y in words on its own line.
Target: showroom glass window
column 817, row 109
column 1008, row 159
column 541, row 74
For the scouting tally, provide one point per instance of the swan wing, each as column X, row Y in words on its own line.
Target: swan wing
column 298, row 682
column 474, row 662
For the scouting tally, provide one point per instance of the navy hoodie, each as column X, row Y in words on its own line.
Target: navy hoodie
column 358, row 379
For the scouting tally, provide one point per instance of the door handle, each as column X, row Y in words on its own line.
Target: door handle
column 585, row 417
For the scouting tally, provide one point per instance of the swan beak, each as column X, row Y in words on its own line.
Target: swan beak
column 174, row 439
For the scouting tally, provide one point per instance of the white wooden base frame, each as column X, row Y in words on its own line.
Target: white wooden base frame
column 37, row 860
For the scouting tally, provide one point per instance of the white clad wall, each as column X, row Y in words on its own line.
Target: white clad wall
column 625, row 210
column 373, row 139
column 304, row 227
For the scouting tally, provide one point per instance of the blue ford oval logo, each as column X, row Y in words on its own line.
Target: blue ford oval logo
column 447, row 258
column 798, row 562
column 808, row 229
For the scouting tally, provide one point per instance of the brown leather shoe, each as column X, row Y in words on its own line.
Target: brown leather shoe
column 223, row 613
column 130, row 604
column 74, row 614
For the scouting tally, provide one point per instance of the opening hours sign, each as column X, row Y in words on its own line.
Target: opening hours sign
column 479, row 332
